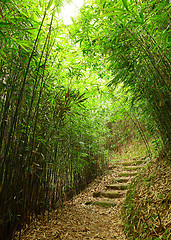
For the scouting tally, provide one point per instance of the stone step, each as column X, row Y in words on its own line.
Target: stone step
column 109, row 194
column 127, row 174
column 135, row 163
column 121, row 179
column 132, row 168
column 117, row 186
column 104, row 204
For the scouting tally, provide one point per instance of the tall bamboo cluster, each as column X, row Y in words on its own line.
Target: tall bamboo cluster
column 132, row 40
column 44, row 160
column 142, row 60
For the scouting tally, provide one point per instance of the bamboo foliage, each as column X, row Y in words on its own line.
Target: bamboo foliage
column 53, row 137
column 42, row 162
column 132, row 40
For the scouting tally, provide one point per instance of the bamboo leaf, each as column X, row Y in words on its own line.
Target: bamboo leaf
column 4, row 24
column 125, row 3
column 2, row 34
column 49, row 4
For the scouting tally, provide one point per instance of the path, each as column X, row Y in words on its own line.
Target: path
column 94, row 213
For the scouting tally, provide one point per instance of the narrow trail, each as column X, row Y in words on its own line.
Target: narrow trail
column 94, row 213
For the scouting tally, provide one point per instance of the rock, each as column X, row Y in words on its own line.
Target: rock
column 101, row 204
column 134, row 163
column 127, row 174
column 117, row 186
column 108, row 194
column 132, row 168
column 122, row 179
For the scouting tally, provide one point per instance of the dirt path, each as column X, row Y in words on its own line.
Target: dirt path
column 81, row 219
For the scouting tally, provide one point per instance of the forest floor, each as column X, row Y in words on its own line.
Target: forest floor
column 80, row 218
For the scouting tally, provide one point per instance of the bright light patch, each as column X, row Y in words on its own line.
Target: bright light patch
column 70, row 10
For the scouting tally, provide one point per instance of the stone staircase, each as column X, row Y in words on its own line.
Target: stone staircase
column 115, row 191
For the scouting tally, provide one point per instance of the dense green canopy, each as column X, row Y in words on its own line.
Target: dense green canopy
column 69, row 94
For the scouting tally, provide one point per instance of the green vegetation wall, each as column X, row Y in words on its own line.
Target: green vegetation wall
column 128, row 43
column 51, row 136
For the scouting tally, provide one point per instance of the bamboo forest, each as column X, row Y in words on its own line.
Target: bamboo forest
column 85, row 120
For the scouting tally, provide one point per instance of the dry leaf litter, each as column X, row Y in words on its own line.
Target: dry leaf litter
column 81, row 220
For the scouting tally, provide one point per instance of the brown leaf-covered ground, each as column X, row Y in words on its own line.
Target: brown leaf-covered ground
column 148, row 202
column 80, row 221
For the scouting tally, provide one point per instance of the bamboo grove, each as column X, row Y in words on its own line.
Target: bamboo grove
column 46, row 153
column 129, row 41
column 56, row 115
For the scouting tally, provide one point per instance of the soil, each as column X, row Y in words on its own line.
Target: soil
column 80, row 218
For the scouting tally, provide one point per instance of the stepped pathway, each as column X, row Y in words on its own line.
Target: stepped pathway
column 94, row 213
column 117, row 188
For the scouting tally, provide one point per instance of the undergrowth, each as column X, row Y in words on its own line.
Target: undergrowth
column 146, row 211
column 133, row 149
